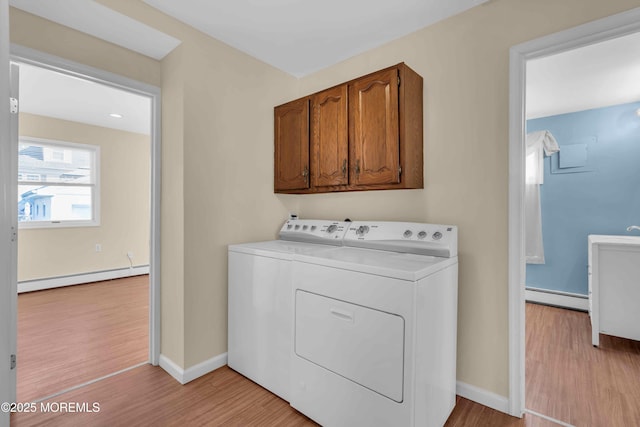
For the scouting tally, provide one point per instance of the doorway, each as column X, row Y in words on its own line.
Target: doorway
column 79, row 208
column 598, row 31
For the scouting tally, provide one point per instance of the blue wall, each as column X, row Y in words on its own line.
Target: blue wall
column 603, row 197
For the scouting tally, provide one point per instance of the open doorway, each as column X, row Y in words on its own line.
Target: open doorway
column 83, row 216
column 566, row 377
column 582, row 181
column 96, row 223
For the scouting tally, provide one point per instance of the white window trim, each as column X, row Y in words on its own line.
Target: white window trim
column 95, row 202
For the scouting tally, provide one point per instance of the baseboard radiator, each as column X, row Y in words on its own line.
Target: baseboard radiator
column 557, row 298
column 79, row 279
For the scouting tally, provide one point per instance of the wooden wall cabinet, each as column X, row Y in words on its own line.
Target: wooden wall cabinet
column 291, row 123
column 365, row 134
column 329, row 138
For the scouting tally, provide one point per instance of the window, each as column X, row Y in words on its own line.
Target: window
column 58, row 184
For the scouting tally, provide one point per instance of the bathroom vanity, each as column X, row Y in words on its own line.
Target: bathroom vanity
column 614, row 286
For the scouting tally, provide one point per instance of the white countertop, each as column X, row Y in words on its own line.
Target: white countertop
column 614, row 239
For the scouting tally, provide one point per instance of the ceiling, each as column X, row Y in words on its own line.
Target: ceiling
column 599, row 75
column 299, row 38
column 52, row 94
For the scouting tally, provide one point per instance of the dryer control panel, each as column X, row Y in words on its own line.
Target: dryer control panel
column 314, row 231
column 410, row 237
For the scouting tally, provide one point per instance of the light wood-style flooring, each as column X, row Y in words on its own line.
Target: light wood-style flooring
column 68, row 336
column 147, row 396
column 570, row 380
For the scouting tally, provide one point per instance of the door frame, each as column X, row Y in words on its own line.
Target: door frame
column 61, row 65
column 600, row 30
column 8, row 292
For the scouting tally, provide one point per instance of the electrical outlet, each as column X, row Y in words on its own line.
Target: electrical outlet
column 98, row 247
column 130, row 255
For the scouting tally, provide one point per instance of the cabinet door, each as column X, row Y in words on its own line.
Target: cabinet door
column 374, row 131
column 291, row 166
column 329, row 140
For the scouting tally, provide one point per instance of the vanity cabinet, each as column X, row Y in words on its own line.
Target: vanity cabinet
column 365, row 134
column 614, row 286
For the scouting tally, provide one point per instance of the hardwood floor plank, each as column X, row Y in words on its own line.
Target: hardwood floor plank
column 570, row 380
column 68, row 336
column 149, row 396
column 567, row 379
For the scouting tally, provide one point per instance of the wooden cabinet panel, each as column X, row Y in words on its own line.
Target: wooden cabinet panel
column 329, row 139
column 373, row 125
column 291, row 122
column 373, row 117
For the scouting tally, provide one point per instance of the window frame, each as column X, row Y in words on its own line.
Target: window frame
column 95, row 193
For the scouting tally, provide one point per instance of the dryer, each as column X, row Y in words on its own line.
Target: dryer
column 260, row 301
column 375, row 327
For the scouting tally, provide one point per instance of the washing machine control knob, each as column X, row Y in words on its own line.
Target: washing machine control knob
column 362, row 230
column 437, row 235
column 422, row 235
column 332, row 228
column 408, row 233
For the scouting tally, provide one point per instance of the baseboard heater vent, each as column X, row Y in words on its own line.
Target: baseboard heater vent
column 79, row 279
column 556, row 298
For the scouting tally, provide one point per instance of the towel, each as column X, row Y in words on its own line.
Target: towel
column 538, row 144
column 546, row 139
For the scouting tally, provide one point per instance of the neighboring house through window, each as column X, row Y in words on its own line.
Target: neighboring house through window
column 58, row 183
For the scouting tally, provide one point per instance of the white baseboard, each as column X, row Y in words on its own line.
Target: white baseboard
column 184, row 376
column 559, row 299
column 482, row 396
column 78, row 279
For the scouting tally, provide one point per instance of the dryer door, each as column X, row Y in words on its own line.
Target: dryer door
column 361, row 344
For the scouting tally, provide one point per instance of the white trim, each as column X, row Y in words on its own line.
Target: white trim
column 79, row 279
column 482, row 396
column 593, row 32
column 184, row 376
column 52, row 62
column 76, row 387
column 71, row 68
column 553, row 420
column 13, row 215
column 94, row 184
column 8, row 224
column 558, row 299
column 516, row 226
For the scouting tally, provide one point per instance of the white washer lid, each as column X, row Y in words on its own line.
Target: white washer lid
column 281, row 249
column 396, row 265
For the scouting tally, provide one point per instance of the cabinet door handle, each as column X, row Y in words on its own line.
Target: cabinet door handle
column 358, row 167
column 344, row 168
column 305, row 175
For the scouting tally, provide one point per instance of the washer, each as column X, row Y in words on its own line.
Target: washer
column 375, row 327
column 260, row 300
